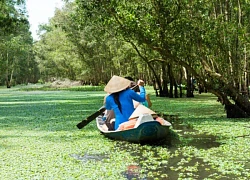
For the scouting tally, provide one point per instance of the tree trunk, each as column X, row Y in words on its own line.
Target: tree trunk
column 241, row 108
column 189, row 85
column 240, row 100
column 8, row 85
column 170, row 76
column 180, row 83
column 164, row 92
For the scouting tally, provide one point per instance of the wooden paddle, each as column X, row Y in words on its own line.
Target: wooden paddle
column 90, row 118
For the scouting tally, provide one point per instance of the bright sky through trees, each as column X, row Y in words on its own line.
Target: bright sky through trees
column 40, row 11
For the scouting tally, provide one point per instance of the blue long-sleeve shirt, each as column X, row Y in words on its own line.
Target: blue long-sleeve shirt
column 126, row 98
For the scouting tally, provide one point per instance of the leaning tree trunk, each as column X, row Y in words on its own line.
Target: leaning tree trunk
column 241, row 106
column 240, row 100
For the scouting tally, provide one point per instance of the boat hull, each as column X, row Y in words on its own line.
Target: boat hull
column 146, row 132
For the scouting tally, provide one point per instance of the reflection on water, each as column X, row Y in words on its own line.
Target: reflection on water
column 133, row 172
column 174, row 164
column 188, row 137
column 181, row 136
column 87, row 157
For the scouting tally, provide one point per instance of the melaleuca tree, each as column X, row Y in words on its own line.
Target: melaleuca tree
column 208, row 38
column 16, row 57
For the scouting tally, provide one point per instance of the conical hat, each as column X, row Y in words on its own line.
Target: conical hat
column 117, row 84
column 141, row 109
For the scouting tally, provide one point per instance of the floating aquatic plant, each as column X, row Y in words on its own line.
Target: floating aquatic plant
column 39, row 140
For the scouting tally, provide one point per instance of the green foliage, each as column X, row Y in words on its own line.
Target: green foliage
column 201, row 36
column 16, row 57
column 73, row 88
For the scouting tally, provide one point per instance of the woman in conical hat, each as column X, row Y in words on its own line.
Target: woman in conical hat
column 121, row 98
column 117, row 84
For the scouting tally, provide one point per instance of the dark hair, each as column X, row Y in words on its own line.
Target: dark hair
column 136, row 88
column 129, row 78
column 117, row 101
column 133, row 85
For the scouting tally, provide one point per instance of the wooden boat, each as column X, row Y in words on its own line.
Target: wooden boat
column 146, row 132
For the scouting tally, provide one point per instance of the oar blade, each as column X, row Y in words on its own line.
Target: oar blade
column 90, row 118
column 82, row 124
